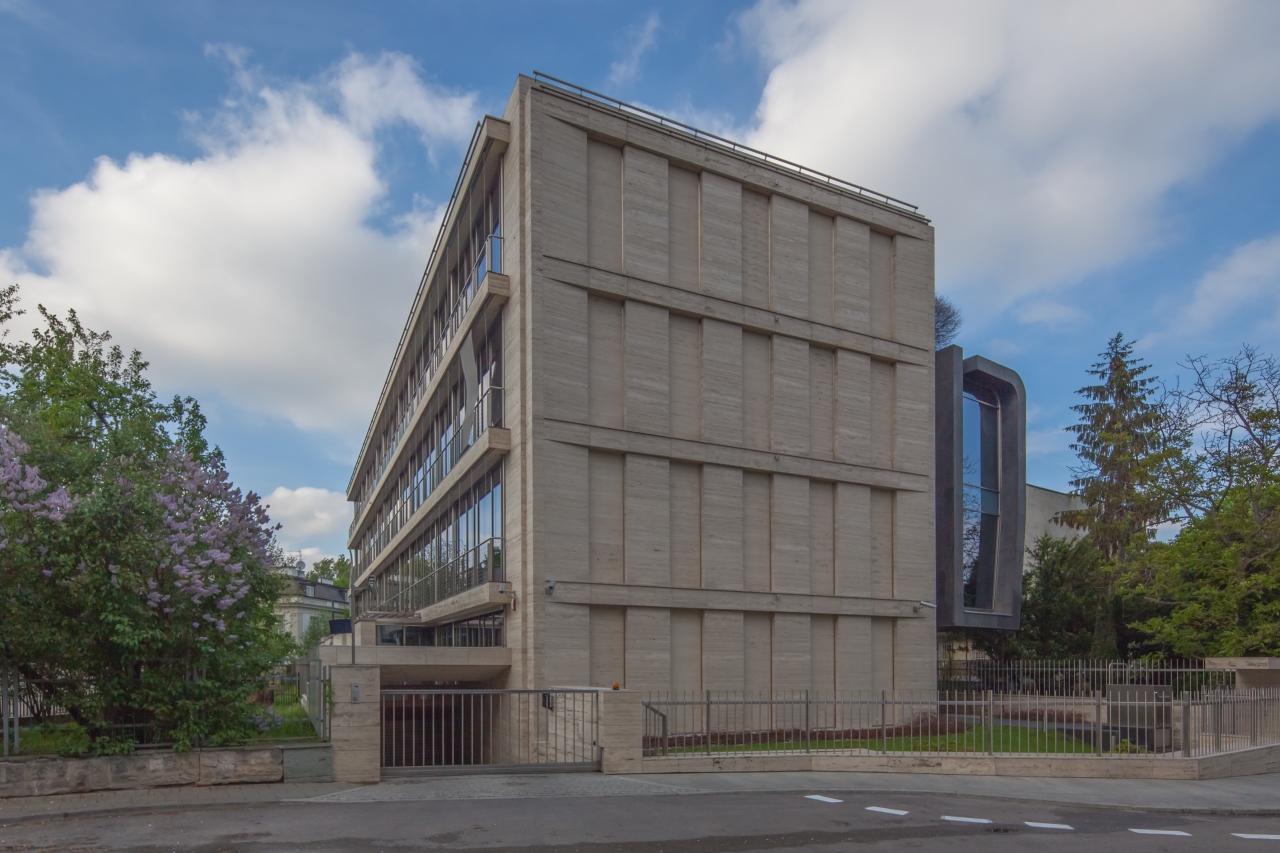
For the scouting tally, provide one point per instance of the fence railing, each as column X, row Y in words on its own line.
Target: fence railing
column 486, row 730
column 1074, row 677
column 1129, row 720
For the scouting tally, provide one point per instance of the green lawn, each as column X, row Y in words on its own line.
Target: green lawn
column 1008, row 739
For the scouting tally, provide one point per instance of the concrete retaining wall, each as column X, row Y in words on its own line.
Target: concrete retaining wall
column 1247, row 762
column 33, row 776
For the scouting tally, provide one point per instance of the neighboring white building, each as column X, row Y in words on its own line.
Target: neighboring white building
column 1043, row 505
column 304, row 600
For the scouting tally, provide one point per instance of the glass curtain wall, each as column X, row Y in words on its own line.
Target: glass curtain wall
column 473, row 247
column 439, row 445
column 459, row 549
column 981, row 497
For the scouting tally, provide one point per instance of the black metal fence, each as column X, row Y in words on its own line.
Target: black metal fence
column 1129, row 720
column 1078, row 677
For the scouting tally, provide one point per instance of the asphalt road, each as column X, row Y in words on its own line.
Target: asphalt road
column 707, row 823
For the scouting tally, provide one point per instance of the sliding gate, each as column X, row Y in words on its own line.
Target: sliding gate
column 489, row 731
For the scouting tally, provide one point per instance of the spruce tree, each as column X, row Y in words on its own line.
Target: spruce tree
column 1119, row 442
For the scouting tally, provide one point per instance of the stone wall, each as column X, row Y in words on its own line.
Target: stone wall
column 31, row 776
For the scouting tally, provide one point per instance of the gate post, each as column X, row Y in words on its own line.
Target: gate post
column 355, row 725
column 621, row 731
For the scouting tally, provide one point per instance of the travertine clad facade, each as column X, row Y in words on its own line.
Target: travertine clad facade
column 716, row 446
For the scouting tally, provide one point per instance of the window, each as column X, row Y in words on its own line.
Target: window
column 479, row 632
column 311, row 591
column 981, row 497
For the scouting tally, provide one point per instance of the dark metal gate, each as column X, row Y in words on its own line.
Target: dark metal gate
column 489, row 731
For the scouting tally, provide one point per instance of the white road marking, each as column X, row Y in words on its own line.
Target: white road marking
column 965, row 819
column 821, row 798
column 1259, row 837
column 1160, row 832
column 885, row 811
column 1048, row 825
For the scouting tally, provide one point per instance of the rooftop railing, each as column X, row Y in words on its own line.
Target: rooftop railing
column 737, row 147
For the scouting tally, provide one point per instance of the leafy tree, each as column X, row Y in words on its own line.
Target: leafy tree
column 317, row 629
column 1218, row 583
column 135, row 579
column 336, row 569
column 946, row 322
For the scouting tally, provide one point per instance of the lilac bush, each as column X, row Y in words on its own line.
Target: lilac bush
column 136, row 581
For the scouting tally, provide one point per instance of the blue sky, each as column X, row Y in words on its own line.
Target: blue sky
column 247, row 192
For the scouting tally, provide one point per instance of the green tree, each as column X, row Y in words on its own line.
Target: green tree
column 335, row 569
column 1125, row 447
column 135, row 579
column 1217, row 585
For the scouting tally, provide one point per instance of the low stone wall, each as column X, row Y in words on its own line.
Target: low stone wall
column 1248, row 762
column 32, row 776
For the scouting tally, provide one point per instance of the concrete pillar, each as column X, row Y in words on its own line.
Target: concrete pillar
column 354, row 727
column 621, row 731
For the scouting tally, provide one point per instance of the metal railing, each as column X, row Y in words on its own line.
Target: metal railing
column 487, row 412
column 423, row 284
column 490, row 730
column 1073, row 677
column 489, row 260
column 1130, row 720
column 473, row 567
column 737, row 147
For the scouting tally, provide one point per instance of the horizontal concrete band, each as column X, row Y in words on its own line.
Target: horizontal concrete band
column 494, row 292
column 440, row 656
column 684, row 598
column 760, row 320
column 708, row 453
column 1244, row 763
column 485, row 598
column 493, row 443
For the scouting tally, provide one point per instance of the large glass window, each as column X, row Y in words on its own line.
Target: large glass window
column 981, row 497
column 478, row 632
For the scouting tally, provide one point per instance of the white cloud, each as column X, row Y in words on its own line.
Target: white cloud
column 308, row 514
column 1248, row 279
column 627, row 69
column 1051, row 312
column 251, row 270
column 1042, row 138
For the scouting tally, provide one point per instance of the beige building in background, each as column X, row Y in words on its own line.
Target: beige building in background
column 662, row 415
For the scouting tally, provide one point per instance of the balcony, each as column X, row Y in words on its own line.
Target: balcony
column 486, row 413
column 475, row 568
column 490, row 260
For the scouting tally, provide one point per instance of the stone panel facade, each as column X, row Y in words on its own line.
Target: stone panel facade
column 718, row 378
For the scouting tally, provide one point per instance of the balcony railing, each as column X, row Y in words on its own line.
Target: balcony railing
column 427, row 586
column 490, row 260
column 487, row 412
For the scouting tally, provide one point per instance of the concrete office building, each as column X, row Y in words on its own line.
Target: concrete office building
column 662, row 414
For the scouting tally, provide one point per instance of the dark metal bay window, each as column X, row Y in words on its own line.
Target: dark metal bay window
column 980, row 482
